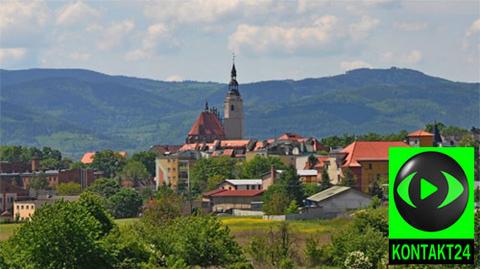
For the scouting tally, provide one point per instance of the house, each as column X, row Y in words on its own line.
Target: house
column 368, row 161
column 174, row 170
column 420, row 138
column 224, row 200
column 24, row 210
column 241, row 184
column 164, row 149
column 320, row 163
column 335, row 201
column 308, row 176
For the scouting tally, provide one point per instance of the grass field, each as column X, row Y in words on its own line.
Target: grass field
column 244, row 228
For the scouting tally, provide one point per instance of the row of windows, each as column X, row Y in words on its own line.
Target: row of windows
column 173, row 169
column 26, row 207
column 9, row 199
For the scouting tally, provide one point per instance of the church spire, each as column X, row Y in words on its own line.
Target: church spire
column 233, row 73
column 233, row 85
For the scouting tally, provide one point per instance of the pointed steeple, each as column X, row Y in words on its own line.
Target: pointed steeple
column 206, row 105
column 233, row 73
column 233, row 85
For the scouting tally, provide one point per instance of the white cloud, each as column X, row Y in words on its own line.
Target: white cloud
column 174, row 78
column 410, row 26
column 80, row 56
column 412, row 57
column 157, row 37
column 8, row 55
column 474, row 28
column 20, row 21
column 112, row 36
column 288, row 40
column 349, row 65
column 78, row 12
column 361, row 29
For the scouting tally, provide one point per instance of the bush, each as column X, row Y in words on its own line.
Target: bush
column 70, row 188
column 357, row 260
column 126, row 203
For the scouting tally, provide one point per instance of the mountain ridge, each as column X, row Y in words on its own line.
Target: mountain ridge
column 79, row 109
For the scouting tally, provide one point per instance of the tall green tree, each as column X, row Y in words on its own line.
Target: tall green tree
column 104, row 187
column 325, row 184
column 126, row 203
column 135, row 172
column 109, row 162
column 69, row 188
column 147, row 158
column 275, row 200
column 259, row 165
column 61, row 235
column 348, row 179
column 204, row 169
column 39, row 182
column 97, row 207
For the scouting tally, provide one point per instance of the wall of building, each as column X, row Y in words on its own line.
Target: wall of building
column 23, row 210
column 340, row 203
column 221, row 204
column 371, row 171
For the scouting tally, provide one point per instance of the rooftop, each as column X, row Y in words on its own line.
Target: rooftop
column 325, row 194
column 420, row 133
column 237, row 182
column 368, row 150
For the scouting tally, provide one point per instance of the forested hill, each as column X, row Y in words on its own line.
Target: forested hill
column 78, row 110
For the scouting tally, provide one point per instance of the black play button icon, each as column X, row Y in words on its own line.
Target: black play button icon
column 431, row 191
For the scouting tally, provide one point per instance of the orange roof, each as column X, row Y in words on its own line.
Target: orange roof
column 290, row 136
column 420, row 133
column 368, row 150
column 207, row 124
column 321, row 160
column 234, row 143
column 228, row 152
column 87, row 158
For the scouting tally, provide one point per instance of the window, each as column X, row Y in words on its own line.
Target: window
column 369, row 166
column 21, row 207
column 232, row 107
column 18, row 207
column 26, row 207
column 248, row 187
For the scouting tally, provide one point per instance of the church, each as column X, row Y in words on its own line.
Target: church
column 209, row 125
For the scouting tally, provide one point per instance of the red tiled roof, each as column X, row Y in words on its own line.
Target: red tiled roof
column 290, row 136
column 87, row 157
column 209, row 193
column 237, row 193
column 228, row 152
column 321, row 160
column 420, row 133
column 368, row 150
column 207, row 124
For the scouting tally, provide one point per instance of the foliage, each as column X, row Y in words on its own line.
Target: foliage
column 325, row 184
column 276, row 248
column 292, row 207
column 125, row 203
column 104, row 187
column 346, row 139
column 367, row 233
column 39, row 182
column 109, row 162
column 275, row 200
column 311, row 189
column 357, row 260
column 259, row 165
column 376, row 190
column 348, row 179
column 96, row 206
column 163, row 209
column 69, row 188
column 376, row 202
column 290, row 181
column 147, row 158
column 136, row 172
column 64, row 235
column 315, row 254
column 209, row 168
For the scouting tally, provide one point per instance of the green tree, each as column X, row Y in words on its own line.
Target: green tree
column 259, row 165
column 69, row 188
column 147, row 158
column 220, row 167
column 136, row 172
column 166, row 207
column 348, row 178
column 109, row 162
column 60, row 235
column 104, row 187
column 325, row 180
column 292, row 208
column 96, row 206
column 376, row 190
column 275, row 200
column 50, row 164
column 293, row 186
column 39, row 182
column 125, row 203
column 311, row 189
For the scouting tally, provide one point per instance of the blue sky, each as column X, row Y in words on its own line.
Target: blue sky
column 178, row 40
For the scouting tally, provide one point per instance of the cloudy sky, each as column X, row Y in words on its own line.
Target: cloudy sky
column 173, row 40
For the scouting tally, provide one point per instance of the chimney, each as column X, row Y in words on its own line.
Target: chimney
column 273, row 173
column 35, row 164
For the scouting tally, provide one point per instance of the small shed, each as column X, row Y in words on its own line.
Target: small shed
column 335, row 201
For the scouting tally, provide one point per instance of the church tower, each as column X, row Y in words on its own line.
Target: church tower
column 233, row 109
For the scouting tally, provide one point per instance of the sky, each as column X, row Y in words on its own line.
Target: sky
column 195, row 40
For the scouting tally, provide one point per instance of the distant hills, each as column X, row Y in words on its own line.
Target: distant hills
column 79, row 110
